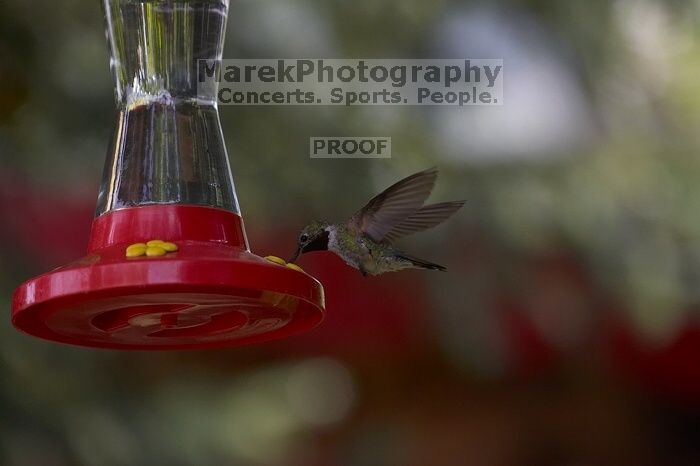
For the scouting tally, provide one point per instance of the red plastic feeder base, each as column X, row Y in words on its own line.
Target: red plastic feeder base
column 210, row 293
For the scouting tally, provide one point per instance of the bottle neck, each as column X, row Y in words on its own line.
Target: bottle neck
column 156, row 47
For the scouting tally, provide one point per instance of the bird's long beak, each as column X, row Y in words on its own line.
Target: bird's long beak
column 296, row 255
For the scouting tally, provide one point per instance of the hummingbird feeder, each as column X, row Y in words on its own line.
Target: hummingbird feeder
column 167, row 183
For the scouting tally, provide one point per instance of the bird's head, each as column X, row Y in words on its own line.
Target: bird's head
column 313, row 237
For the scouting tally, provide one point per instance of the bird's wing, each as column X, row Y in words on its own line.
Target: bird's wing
column 394, row 204
column 426, row 217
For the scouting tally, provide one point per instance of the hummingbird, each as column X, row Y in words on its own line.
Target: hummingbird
column 365, row 241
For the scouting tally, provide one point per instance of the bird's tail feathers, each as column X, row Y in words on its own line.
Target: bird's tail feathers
column 420, row 263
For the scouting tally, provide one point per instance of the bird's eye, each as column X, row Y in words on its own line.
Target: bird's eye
column 304, row 237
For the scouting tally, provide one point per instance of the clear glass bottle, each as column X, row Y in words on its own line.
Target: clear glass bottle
column 167, row 145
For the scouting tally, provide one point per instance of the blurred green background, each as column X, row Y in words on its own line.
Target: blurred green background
column 565, row 333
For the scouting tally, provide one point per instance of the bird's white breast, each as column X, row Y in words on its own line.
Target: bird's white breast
column 333, row 239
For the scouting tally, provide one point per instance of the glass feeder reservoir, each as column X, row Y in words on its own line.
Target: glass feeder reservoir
column 167, row 179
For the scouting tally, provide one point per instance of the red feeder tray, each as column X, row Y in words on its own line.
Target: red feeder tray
column 212, row 292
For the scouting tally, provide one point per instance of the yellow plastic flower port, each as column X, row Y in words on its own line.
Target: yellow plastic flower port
column 153, row 248
column 294, row 267
column 276, row 260
column 280, row 261
column 136, row 250
column 168, row 246
column 155, row 251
